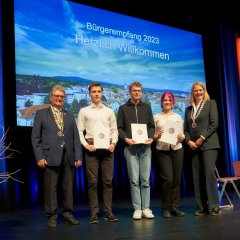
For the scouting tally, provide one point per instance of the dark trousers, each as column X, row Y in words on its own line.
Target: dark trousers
column 169, row 165
column 204, row 178
column 105, row 160
column 62, row 176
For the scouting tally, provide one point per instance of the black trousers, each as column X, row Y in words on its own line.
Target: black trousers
column 103, row 159
column 54, row 177
column 169, row 165
column 204, row 178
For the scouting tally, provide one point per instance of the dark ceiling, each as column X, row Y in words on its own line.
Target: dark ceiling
column 183, row 13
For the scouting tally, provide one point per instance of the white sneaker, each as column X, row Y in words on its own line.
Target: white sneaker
column 137, row 215
column 147, row 213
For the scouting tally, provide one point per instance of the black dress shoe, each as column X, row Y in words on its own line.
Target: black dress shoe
column 178, row 213
column 71, row 220
column 215, row 211
column 110, row 218
column 166, row 213
column 52, row 223
column 201, row 212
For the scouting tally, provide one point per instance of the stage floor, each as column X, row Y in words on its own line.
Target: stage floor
column 29, row 223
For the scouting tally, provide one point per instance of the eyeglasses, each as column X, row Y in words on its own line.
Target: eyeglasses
column 59, row 96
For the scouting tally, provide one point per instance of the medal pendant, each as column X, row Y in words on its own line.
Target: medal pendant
column 194, row 125
column 60, row 134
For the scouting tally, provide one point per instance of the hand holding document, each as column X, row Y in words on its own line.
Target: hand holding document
column 101, row 137
column 139, row 132
column 171, row 130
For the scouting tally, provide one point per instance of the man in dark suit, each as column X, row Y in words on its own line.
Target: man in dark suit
column 58, row 151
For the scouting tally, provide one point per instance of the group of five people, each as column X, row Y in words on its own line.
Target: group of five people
column 57, row 143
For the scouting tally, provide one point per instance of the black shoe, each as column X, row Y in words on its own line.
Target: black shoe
column 93, row 218
column 166, row 213
column 110, row 218
column 201, row 212
column 52, row 223
column 215, row 211
column 178, row 213
column 70, row 219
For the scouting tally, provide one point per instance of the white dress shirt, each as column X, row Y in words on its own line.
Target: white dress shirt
column 160, row 120
column 91, row 117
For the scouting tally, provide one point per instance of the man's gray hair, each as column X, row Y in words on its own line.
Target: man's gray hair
column 57, row 88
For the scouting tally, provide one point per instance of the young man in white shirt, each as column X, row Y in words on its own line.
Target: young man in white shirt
column 93, row 118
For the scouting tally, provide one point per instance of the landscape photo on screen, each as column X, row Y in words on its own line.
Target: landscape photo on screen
column 71, row 44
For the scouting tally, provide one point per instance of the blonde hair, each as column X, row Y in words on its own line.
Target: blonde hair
column 206, row 96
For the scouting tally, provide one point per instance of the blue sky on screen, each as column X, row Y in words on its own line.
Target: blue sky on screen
column 51, row 41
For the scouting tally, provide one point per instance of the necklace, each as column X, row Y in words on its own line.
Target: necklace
column 195, row 114
column 58, row 121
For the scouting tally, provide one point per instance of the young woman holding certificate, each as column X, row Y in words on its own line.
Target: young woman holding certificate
column 200, row 128
column 169, row 156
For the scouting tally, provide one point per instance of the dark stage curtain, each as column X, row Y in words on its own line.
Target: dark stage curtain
column 229, row 94
column 7, row 200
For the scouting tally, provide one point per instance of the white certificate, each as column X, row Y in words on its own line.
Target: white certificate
column 170, row 131
column 139, row 132
column 101, row 137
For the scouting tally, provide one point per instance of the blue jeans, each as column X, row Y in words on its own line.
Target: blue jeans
column 138, row 159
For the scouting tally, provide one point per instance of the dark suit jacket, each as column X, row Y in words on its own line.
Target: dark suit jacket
column 207, row 124
column 46, row 142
